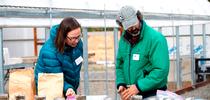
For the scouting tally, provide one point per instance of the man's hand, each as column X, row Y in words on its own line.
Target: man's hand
column 121, row 89
column 131, row 91
column 70, row 92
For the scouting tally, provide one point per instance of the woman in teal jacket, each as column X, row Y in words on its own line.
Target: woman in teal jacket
column 62, row 52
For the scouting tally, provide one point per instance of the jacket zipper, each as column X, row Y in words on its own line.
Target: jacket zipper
column 129, row 66
column 130, row 57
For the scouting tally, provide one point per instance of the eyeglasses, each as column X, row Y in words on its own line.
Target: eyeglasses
column 74, row 38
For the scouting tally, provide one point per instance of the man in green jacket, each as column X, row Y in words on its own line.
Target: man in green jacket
column 142, row 61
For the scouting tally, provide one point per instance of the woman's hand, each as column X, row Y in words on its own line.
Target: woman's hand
column 70, row 92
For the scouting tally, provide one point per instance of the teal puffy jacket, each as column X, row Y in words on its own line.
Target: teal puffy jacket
column 52, row 61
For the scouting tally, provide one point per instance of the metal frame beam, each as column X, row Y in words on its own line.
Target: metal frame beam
column 178, row 65
column 1, row 62
column 192, row 54
column 46, row 12
column 115, row 56
column 85, row 56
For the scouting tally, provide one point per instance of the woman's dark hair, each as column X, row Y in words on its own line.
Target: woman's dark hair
column 68, row 24
column 138, row 14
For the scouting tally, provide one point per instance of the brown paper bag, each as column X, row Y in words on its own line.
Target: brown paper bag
column 21, row 82
column 50, row 85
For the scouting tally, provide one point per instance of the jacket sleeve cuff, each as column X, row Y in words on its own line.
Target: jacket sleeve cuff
column 138, row 88
column 121, row 84
column 67, row 86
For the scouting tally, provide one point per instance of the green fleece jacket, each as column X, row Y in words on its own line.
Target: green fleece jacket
column 146, row 63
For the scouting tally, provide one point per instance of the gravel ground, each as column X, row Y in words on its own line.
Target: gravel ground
column 201, row 92
column 97, row 86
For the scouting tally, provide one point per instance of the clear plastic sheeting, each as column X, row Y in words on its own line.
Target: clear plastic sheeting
column 44, row 22
column 195, row 7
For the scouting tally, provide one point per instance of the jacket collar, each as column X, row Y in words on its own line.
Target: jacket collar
column 142, row 29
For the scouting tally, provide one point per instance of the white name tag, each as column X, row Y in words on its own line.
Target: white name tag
column 79, row 60
column 135, row 56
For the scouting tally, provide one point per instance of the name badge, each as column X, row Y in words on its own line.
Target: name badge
column 136, row 56
column 79, row 60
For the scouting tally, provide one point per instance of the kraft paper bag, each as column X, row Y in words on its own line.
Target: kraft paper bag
column 50, row 85
column 21, row 83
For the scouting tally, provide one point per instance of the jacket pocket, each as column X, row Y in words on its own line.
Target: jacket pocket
column 140, row 60
column 139, row 64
